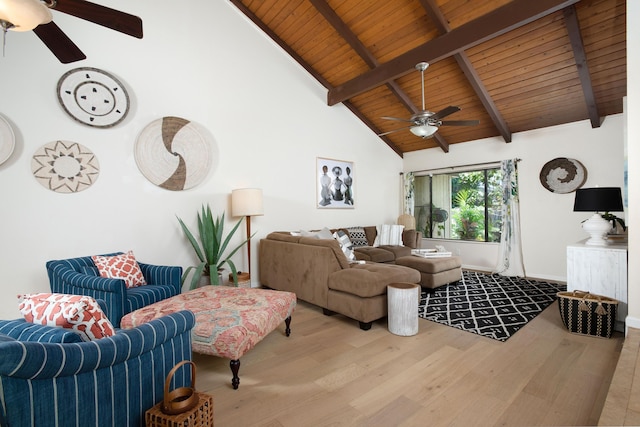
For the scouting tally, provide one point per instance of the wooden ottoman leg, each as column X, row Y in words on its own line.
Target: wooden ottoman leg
column 287, row 324
column 235, row 367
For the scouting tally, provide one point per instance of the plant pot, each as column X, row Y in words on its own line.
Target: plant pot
column 244, row 280
column 205, row 279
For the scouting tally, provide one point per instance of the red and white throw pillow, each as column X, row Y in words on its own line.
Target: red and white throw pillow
column 122, row 266
column 77, row 312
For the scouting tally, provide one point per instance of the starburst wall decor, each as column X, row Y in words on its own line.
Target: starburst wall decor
column 65, row 167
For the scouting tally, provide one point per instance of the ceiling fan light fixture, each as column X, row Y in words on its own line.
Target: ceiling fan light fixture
column 23, row 15
column 424, row 131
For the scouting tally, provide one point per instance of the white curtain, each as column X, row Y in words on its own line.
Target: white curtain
column 409, row 197
column 510, row 262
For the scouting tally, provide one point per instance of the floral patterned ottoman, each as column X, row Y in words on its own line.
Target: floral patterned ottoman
column 229, row 321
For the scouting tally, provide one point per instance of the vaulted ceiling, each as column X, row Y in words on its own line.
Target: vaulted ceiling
column 514, row 65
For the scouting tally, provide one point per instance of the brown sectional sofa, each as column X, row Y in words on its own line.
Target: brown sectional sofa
column 318, row 272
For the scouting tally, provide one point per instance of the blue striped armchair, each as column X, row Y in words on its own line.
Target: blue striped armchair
column 79, row 276
column 48, row 380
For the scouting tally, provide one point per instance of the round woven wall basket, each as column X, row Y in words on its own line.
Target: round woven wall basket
column 563, row 175
column 173, row 153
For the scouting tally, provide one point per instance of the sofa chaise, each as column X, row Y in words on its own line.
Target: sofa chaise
column 319, row 272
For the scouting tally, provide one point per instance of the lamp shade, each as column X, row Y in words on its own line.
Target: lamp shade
column 424, row 131
column 246, row 202
column 24, row 15
column 598, row 199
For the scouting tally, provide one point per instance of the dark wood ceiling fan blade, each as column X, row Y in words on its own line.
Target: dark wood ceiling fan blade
column 58, row 43
column 101, row 15
column 397, row 119
column 461, row 123
column 445, row 112
column 395, row 130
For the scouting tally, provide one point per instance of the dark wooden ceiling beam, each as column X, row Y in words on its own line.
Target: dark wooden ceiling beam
column 495, row 23
column 469, row 71
column 349, row 36
column 575, row 36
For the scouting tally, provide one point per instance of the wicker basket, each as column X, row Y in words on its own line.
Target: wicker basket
column 182, row 407
column 200, row 416
column 587, row 314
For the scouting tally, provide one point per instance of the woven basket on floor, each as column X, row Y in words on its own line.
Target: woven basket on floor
column 182, row 407
column 200, row 416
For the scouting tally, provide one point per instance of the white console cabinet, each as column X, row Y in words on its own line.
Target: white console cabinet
column 600, row 270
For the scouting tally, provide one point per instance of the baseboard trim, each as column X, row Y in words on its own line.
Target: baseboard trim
column 540, row 277
column 631, row 322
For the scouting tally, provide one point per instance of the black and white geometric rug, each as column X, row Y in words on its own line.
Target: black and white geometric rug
column 490, row 305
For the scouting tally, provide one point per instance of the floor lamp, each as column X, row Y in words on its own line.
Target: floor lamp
column 247, row 202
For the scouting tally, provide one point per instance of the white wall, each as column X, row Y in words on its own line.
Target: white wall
column 202, row 61
column 633, row 157
column 548, row 221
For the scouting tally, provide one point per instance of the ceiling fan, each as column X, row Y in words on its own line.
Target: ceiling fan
column 426, row 123
column 26, row 15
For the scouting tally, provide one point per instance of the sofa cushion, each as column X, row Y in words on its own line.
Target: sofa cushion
column 431, row 265
column 21, row 330
column 283, row 237
column 123, row 266
column 369, row 253
column 331, row 244
column 144, row 295
column 369, row 280
column 397, row 251
column 90, row 271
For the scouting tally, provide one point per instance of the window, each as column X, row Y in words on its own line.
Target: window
column 460, row 205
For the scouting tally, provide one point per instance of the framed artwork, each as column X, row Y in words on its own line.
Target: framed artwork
column 334, row 184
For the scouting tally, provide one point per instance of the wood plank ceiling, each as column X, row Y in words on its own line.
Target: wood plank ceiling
column 514, row 65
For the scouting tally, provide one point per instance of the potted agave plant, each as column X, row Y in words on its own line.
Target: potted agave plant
column 210, row 248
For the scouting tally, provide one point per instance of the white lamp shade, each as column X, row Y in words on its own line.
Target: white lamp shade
column 246, row 202
column 24, row 15
column 424, row 131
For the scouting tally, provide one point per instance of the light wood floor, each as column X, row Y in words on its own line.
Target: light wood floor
column 331, row 373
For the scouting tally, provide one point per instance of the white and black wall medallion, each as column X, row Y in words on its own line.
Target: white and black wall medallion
column 93, row 97
column 174, row 153
column 7, row 140
column 563, row 175
column 65, row 167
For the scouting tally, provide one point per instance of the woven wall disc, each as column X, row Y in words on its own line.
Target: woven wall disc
column 563, row 175
column 173, row 153
column 7, row 140
column 65, row 167
column 93, row 97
